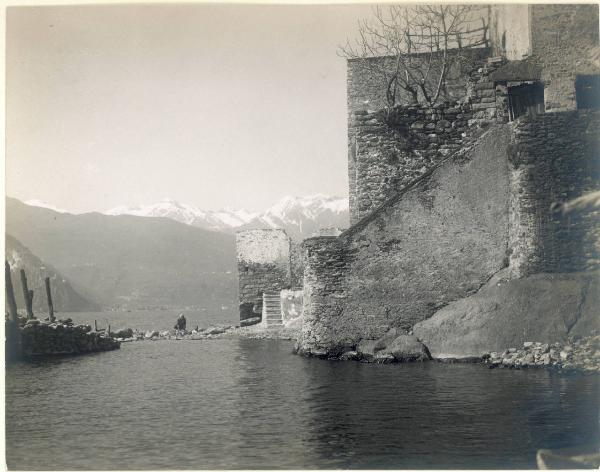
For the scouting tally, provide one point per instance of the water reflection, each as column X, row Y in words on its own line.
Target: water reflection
column 242, row 403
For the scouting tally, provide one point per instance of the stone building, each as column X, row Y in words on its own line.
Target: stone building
column 451, row 202
column 444, row 199
column 264, row 265
column 270, row 267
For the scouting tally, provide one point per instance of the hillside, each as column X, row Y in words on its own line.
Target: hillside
column 129, row 261
column 64, row 296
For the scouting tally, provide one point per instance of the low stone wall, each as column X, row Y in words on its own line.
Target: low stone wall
column 555, row 158
column 438, row 241
column 42, row 338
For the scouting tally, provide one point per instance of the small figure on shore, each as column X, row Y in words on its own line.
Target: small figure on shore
column 181, row 323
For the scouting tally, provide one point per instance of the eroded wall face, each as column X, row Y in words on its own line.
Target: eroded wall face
column 555, row 158
column 561, row 39
column 263, row 265
column 437, row 242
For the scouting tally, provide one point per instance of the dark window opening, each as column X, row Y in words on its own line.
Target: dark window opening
column 526, row 99
column 587, row 89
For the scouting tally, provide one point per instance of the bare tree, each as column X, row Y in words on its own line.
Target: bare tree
column 421, row 43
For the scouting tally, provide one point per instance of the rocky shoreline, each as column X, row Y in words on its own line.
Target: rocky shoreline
column 45, row 338
column 212, row 332
column 578, row 354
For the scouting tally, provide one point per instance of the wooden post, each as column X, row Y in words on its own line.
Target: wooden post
column 10, row 293
column 26, row 295
column 49, row 296
column 109, row 330
column 95, row 325
column 31, row 302
column 13, row 335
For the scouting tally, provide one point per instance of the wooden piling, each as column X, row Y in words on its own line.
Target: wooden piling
column 49, row 296
column 10, row 293
column 95, row 325
column 13, row 334
column 28, row 306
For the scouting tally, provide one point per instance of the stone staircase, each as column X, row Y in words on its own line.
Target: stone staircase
column 272, row 309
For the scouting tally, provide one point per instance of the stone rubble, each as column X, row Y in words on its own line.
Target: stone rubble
column 577, row 354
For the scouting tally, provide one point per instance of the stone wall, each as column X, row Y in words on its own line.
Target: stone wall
column 437, row 241
column 263, row 257
column 510, row 31
column 296, row 264
column 389, row 149
column 44, row 338
column 562, row 37
column 366, row 91
column 555, row 158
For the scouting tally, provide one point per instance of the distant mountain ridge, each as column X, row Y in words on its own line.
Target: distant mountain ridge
column 129, row 261
column 64, row 296
column 301, row 217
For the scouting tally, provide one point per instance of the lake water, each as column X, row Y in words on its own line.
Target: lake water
column 241, row 403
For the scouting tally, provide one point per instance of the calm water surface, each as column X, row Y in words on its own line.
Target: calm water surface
column 239, row 403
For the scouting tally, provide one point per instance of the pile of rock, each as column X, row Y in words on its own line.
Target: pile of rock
column 46, row 338
column 393, row 346
column 174, row 334
column 582, row 354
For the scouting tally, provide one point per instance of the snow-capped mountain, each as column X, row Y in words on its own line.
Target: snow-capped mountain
column 301, row 217
column 187, row 214
column 42, row 204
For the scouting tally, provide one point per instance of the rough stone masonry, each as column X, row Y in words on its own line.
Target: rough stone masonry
column 444, row 198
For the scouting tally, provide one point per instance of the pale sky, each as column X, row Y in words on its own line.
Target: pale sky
column 212, row 105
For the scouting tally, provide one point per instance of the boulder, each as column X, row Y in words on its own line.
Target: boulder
column 366, row 349
column 543, row 308
column 407, row 348
column 387, row 338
